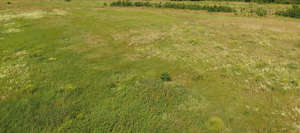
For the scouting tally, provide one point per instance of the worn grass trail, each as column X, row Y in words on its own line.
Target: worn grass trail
column 79, row 69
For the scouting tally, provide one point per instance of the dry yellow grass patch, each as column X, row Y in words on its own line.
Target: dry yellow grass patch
column 27, row 15
column 59, row 12
column 15, row 75
column 91, row 42
column 140, row 37
column 31, row 14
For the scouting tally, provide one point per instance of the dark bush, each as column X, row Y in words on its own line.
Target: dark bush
column 165, row 77
column 158, row 5
column 68, row 0
column 219, row 9
column 293, row 12
column 257, row 1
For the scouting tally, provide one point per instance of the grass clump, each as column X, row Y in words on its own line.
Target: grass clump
column 298, row 44
column 292, row 66
column 67, row 89
column 165, row 77
column 36, row 53
column 261, row 12
column 5, row 58
column 29, row 88
column 214, row 124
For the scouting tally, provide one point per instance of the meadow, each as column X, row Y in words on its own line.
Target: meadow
column 93, row 66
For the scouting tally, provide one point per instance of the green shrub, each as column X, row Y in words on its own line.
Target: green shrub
column 294, row 82
column 122, row 3
column 293, row 12
column 165, row 77
column 111, row 85
column 216, row 8
column 158, row 5
column 68, row 0
column 257, row 1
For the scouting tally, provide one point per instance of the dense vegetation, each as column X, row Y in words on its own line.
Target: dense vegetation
column 257, row 1
column 215, row 8
column 293, row 12
column 251, row 10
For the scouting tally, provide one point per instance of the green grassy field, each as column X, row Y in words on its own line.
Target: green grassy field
column 83, row 67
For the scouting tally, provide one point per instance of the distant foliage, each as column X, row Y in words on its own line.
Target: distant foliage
column 219, row 9
column 68, row 0
column 257, row 1
column 214, row 8
column 261, row 12
column 293, row 12
column 140, row 4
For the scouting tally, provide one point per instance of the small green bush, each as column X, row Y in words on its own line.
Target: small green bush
column 165, row 77
column 257, row 1
column 111, row 85
column 68, row 0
